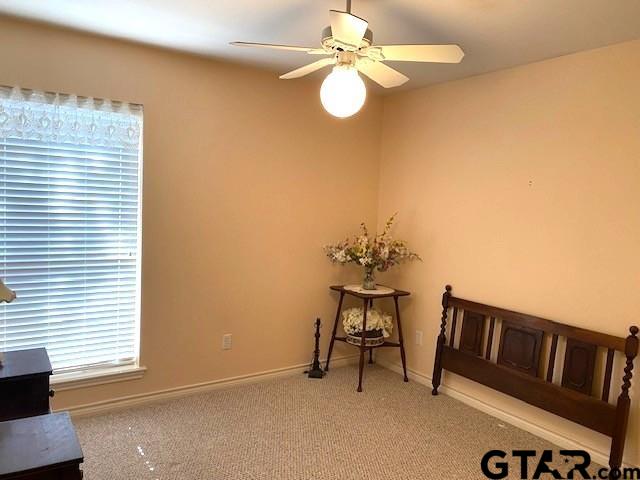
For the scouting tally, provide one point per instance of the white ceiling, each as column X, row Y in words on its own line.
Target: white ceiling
column 495, row 34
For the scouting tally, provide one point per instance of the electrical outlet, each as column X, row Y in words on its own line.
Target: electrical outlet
column 226, row 341
column 418, row 337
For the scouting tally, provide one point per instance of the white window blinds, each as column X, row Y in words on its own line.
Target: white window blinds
column 70, row 171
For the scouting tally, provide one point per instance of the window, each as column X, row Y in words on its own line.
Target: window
column 70, row 183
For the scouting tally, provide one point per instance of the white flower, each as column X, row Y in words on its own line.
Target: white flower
column 380, row 251
column 376, row 320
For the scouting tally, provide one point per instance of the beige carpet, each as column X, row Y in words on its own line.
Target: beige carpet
column 297, row 428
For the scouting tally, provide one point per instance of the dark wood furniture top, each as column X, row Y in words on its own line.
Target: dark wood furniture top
column 24, row 363
column 526, row 364
column 395, row 293
column 42, row 447
column 24, row 384
column 367, row 301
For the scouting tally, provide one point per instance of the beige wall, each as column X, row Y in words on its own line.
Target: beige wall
column 245, row 179
column 521, row 189
column 518, row 187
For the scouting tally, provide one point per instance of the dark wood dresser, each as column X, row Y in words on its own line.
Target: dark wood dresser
column 24, row 384
column 40, row 448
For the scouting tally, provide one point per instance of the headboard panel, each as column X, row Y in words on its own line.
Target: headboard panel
column 527, row 361
column 520, row 347
column 579, row 366
column 472, row 333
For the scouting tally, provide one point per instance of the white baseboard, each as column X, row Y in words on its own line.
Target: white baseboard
column 554, row 437
column 182, row 391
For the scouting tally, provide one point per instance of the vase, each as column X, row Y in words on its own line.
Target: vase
column 369, row 280
column 373, row 338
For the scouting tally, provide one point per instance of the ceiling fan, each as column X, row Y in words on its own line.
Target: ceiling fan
column 347, row 44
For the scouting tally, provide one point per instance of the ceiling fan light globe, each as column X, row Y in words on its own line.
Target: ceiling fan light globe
column 343, row 92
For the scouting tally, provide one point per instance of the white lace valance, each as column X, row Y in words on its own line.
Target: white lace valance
column 62, row 118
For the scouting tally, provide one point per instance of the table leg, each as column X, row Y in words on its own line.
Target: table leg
column 401, row 340
column 362, row 343
column 371, row 349
column 335, row 329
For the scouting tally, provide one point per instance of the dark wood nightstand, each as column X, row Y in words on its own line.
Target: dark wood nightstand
column 40, row 448
column 24, row 384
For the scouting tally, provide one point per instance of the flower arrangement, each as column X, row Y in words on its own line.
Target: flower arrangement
column 376, row 320
column 371, row 252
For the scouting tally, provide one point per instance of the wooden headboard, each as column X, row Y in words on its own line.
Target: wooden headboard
column 525, row 365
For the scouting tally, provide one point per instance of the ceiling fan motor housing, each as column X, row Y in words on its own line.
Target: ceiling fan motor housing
column 330, row 43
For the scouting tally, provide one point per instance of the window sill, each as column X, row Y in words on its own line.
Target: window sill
column 92, row 378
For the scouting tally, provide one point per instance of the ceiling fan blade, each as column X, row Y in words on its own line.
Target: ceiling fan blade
column 276, row 47
column 422, row 53
column 307, row 69
column 347, row 28
column 382, row 74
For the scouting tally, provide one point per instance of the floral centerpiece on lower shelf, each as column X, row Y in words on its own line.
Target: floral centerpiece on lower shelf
column 378, row 252
column 379, row 326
